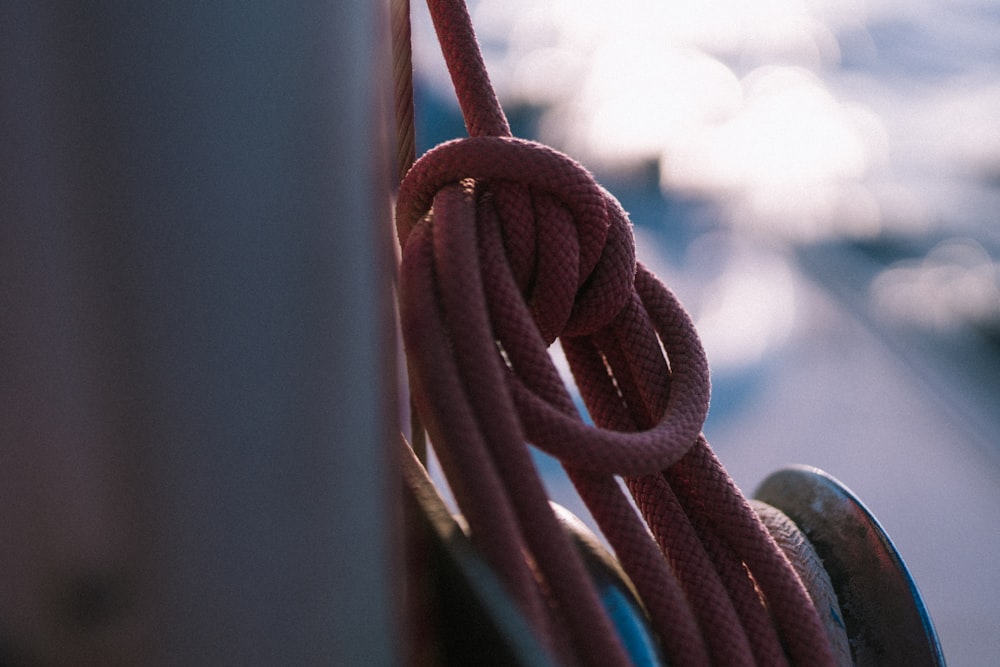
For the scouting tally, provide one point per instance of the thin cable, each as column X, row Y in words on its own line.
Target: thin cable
column 406, row 149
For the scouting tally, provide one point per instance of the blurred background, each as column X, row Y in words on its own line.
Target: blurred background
column 819, row 182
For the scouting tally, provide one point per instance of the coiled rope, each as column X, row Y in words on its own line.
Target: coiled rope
column 508, row 245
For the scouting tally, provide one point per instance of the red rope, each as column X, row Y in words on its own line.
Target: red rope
column 508, row 245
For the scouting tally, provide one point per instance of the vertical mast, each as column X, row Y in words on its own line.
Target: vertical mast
column 196, row 402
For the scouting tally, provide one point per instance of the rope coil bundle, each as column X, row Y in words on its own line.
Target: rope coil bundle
column 507, row 246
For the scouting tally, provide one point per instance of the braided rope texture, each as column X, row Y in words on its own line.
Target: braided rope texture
column 508, row 245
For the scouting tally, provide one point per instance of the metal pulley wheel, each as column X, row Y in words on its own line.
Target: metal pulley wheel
column 883, row 613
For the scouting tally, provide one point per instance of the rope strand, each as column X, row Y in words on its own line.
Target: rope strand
column 509, row 245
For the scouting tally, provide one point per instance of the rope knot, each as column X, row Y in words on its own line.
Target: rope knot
column 567, row 240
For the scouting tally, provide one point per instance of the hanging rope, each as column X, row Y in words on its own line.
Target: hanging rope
column 508, row 245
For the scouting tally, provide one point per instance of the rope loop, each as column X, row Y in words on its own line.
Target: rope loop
column 674, row 430
column 567, row 239
column 584, row 280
